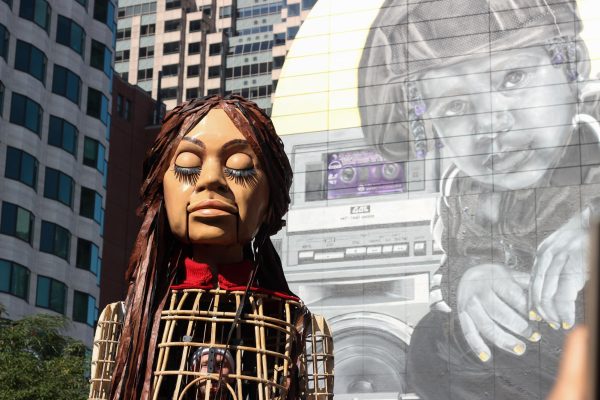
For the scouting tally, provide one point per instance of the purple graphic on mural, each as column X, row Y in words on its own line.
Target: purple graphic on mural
column 362, row 173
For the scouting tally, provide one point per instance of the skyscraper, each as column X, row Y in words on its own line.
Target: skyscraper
column 206, row 46
column 55, row 84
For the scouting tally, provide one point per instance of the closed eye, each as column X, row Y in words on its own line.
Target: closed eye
column 243, row 177
column 188, row 175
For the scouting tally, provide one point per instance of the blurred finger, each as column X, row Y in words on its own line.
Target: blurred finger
column 571, row 383
column 473, row 338
column 491, row 331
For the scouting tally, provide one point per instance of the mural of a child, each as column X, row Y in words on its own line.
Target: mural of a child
column 502, row 84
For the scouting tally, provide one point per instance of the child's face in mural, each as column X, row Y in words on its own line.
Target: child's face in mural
column 215, row 191
column 507, row 126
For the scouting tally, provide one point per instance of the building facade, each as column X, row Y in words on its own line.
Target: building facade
column 206, row 46
column 55, row 85
column 134, row 128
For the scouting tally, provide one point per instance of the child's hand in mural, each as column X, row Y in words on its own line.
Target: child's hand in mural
column 492, row 305
column 558, row 275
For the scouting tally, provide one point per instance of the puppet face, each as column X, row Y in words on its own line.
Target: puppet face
column 505, row 118
column 215, row 190
column 225, row 370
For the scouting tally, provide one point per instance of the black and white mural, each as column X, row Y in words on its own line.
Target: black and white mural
column 444, row 234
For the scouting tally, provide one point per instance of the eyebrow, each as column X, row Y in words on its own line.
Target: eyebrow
column 197, row 142
column 235, row 143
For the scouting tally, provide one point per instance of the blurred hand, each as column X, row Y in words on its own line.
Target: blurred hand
column 571, row 383
column 559, row 273
column 492, row 307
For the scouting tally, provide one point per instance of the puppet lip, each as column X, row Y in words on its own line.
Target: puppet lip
column 213, row 206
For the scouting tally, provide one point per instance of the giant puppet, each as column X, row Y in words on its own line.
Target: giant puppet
column 208, row 313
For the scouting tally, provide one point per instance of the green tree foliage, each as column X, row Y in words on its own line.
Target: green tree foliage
column 38, row 363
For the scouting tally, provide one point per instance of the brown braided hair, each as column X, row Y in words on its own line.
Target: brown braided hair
column 157, row 253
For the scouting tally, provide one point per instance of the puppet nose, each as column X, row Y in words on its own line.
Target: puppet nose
column 212, row 178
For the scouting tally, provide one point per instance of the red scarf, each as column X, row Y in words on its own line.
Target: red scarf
column 232, row 277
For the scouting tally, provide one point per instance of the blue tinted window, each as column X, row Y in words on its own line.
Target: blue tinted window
column 31, row 60
column 293, row 10
column 97, row 105
column 58, row 186
column 306, row 4
column 292, row 31
column 71, row 34
column 88, row 256
column 84, row 308
column 51, row 294
column 55, row 240
column 5, row 271
column 104, row 11
column 101, row 58
column 37, row 11
column 21, row 166
column 279, row 39
column 16, row 221
column 66, row 83
column 14, row 279
column 62, row 134
column 90, row 205
column 93, row 154
column 25, row 112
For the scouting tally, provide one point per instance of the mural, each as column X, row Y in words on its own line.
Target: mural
column 440, row 210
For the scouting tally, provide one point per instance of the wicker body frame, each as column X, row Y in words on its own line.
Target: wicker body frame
column 279, row 350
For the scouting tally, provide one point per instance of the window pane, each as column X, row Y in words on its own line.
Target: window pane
column 90, row 152
column 32, row 115
column 91, row 310
column 28, row 170
column 20, row 281
column 57, row 296
column 23, row 226
column 65, row 188
column 42, row 292
column 17, row 109
column 63, row 30
column 5, row 269
column 62, row 242
column 9, row 219
column 51, row 184
column 69, row 138
column 86, row 208
column 94, row 259
column 40, row 14
column 13, row 163
column 84, row 254
column 77, row 37
column 47, row 237
column 38, row 64
column 80, row 306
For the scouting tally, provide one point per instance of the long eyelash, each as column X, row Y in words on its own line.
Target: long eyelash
column 187, row 175
column 244, row 177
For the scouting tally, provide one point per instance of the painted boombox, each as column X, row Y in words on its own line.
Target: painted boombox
column 358, row 249
column 362, row 172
